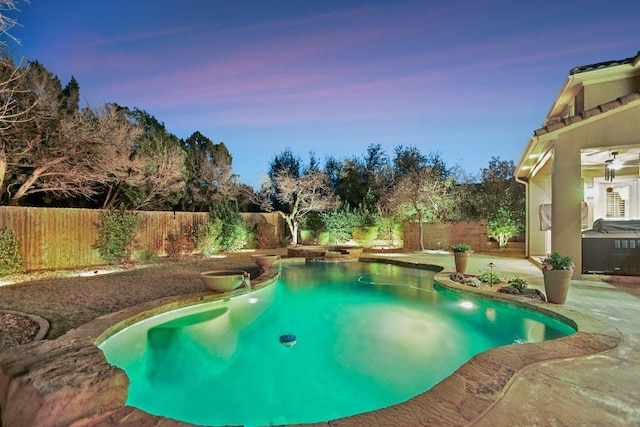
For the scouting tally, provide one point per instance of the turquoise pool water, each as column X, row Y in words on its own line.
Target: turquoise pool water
column 368, row 336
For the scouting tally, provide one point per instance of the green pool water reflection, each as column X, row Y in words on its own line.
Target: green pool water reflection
column 368, row 335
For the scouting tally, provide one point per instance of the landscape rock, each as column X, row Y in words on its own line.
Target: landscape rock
column 62, row 380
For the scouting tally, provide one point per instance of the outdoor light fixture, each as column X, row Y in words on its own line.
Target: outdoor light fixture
column 610, row 166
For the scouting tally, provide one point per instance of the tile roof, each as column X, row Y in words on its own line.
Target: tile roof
column 587, row 114
column 601, row 65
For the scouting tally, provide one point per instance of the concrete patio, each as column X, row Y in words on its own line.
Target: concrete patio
column 597, row 390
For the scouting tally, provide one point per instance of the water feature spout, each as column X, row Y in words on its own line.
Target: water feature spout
column 247, row 281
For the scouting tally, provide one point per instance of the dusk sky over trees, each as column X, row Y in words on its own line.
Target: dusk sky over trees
column 468, row 79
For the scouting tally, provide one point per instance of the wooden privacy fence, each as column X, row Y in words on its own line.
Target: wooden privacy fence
column 54, row 238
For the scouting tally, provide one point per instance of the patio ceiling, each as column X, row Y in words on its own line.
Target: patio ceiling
column 596, row 157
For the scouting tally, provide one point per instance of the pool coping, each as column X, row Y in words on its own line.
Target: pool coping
column 92, row 392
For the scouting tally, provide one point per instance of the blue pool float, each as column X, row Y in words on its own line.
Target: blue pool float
column 288, row 340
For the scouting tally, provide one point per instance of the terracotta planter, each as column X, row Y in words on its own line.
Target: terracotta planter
column 461, row 258
column 556, row 284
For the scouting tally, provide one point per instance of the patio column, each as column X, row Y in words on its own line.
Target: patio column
column 566, row 199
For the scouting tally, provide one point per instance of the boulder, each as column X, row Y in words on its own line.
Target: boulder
column 58, row 382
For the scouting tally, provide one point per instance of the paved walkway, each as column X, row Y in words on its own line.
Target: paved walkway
column 596, row 390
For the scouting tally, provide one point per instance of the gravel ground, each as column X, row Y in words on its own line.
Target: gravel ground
column 16, row 330
column 68, row 302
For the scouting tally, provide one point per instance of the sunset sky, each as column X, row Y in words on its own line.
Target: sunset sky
column 468, row 79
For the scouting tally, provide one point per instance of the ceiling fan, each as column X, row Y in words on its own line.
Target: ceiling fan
column 610, row 167
column 616, row 161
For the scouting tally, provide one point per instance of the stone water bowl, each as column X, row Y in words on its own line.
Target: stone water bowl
column 224, row 280
column 264, row 261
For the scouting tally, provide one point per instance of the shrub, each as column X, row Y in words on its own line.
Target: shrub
column 365, row 236
column 518, row 283
column 461, row 247
column 555, row 261
column 10, row 255
column 502, row 226
column 308, row 237
column 265, row 236
column 116, row 231
column 234, row 234
column 250, row 237
column 390, row 229
column 177, row 244
column 491, row 278
column 367, row 215
column 207, row 237
column 312, row 223
column 146, row 256
column 339, row 224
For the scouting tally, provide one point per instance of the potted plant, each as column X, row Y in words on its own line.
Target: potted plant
column 557, row 271
column 461, row 252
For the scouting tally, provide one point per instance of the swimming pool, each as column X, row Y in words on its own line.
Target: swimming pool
column 368, row 336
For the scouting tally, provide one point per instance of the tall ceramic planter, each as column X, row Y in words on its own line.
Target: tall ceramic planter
column 556, row 284
column 461, row 259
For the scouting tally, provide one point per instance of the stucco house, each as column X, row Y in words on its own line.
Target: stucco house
column 581, row 170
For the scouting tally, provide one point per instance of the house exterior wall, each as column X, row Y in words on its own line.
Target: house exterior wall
column 567, row 181
column 538, row 194
column 597, row 111
column 599, row 93
column 565, row 207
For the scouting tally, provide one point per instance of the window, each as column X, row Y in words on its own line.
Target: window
column 616, row 200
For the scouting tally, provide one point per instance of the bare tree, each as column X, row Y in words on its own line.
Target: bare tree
column 11, row 112
column 6, row 22
column 150, row 168
column 76, row 157
column 422, row 194
column 46, row 151
column 164, row 178
column 298, row 195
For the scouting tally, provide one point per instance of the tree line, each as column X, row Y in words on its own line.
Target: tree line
column 379, row 190
column 55, row 153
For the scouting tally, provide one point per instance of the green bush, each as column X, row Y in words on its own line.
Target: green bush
column 502, row 226
column 367, row 216
column 461, row 247
column 146, row 256
column 234, row 234
column 312, row 222
column 308, row 237
column 10, row 255
column 490, row 278
column 390, row 230
column 339, row 225
column 365, row 236
column 518, row 283
column 208, row 236
column 116, row 231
